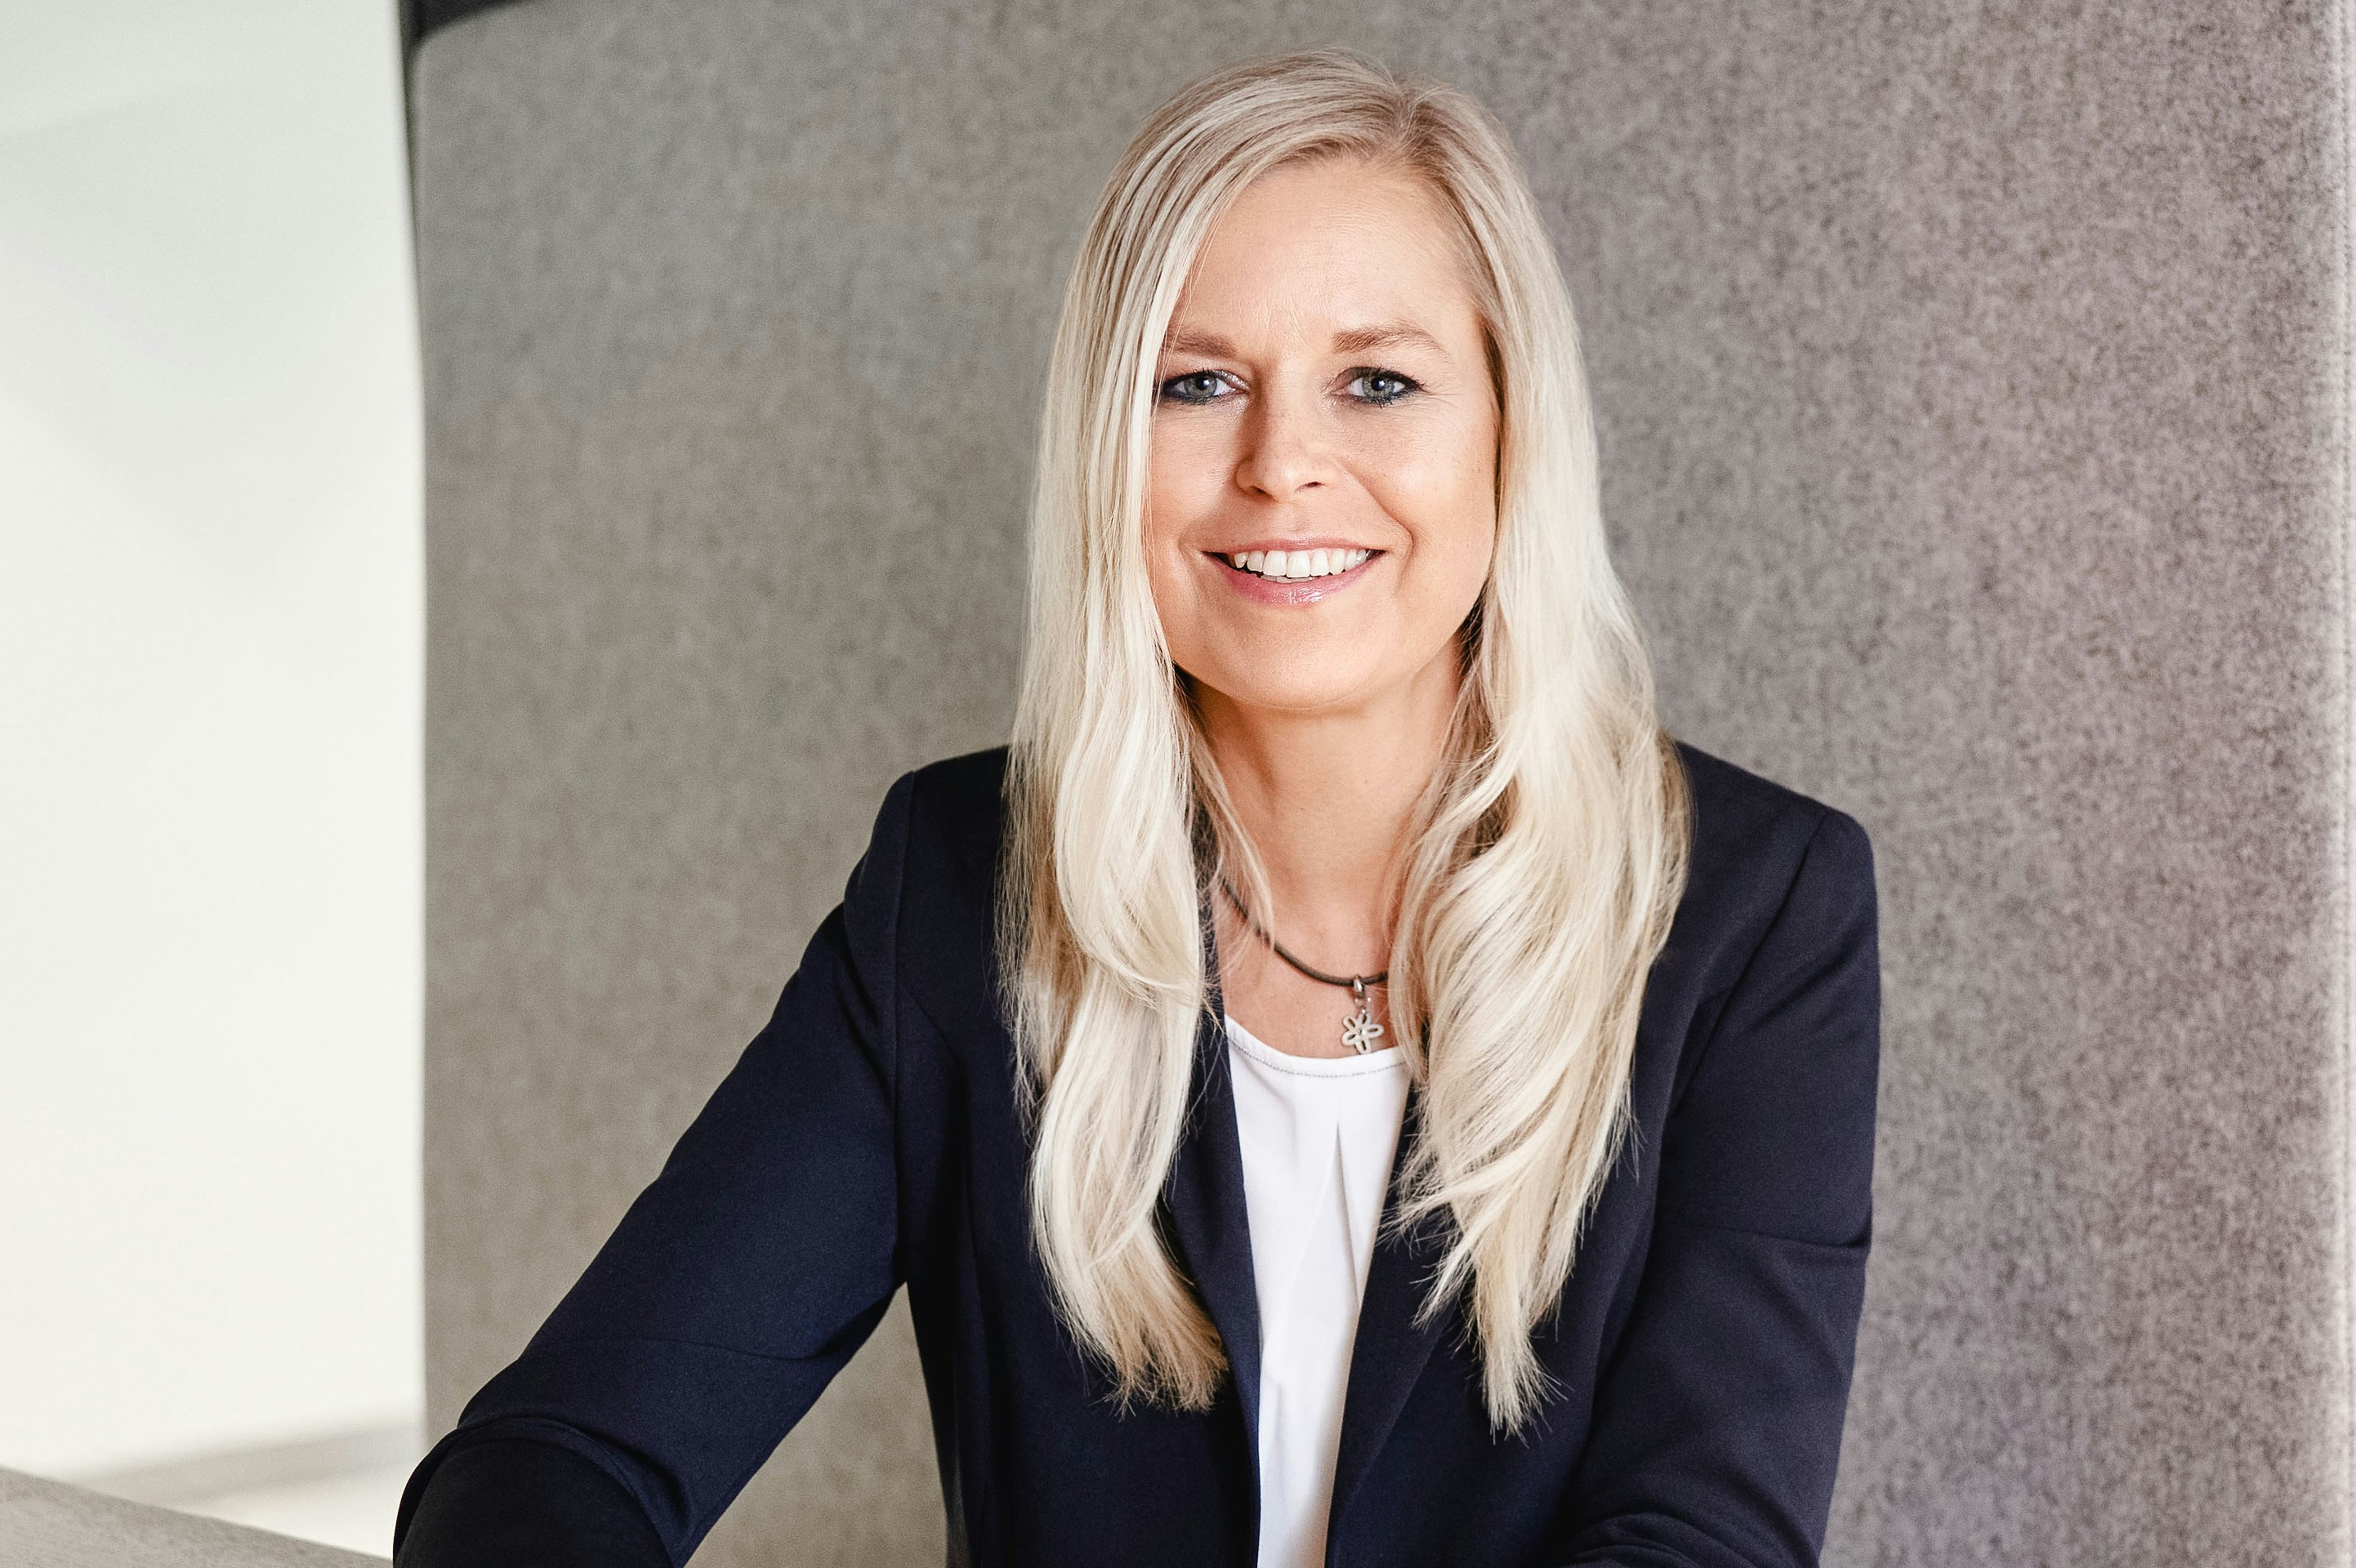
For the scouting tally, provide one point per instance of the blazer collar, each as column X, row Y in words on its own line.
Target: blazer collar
column 1210, row 1225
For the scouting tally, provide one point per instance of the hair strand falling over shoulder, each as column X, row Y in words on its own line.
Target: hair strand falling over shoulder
column 1550, row 848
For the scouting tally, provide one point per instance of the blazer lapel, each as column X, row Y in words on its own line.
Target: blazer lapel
column 1210, row 1227
column 1208, row 1221
column 1391, row 1349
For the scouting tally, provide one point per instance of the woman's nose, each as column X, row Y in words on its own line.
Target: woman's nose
column 1284, row 452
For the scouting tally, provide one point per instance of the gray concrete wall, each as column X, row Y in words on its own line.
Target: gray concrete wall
column 1973, row 382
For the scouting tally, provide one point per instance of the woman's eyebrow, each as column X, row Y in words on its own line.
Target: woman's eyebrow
column 1359, row 339
column 1350, row 340
column 1208, row 346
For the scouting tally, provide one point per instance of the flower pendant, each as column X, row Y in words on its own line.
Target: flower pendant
column 1361, row 1032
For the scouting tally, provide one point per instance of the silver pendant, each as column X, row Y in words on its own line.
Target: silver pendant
column 1361, row 1032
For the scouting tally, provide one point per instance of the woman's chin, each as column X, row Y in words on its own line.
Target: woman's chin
column 1332, row 691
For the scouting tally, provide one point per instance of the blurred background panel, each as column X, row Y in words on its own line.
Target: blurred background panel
column 1973, row 393
column 211, row 614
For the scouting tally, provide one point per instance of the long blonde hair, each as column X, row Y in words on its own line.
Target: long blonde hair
column 1550, row 845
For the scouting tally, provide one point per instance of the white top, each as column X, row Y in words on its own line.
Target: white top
column 1319, row 1135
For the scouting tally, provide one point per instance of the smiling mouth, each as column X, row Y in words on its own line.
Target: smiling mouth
column 1297, row 565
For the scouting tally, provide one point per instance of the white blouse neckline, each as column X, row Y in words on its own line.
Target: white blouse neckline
column 1259, row 1051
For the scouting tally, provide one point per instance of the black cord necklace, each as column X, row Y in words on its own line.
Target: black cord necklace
column 1359, row 1033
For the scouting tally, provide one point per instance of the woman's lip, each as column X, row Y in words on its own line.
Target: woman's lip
column 1290, row 590
column 1322, row 543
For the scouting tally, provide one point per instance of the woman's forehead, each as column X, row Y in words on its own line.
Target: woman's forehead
column 1360, row 253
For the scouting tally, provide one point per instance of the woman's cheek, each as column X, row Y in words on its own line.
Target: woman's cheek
column 1191, row 455
column 1445, row 506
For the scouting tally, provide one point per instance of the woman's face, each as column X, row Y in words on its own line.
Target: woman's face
column 1321, row 501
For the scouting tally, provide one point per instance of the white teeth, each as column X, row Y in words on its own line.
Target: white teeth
column 1296, row 565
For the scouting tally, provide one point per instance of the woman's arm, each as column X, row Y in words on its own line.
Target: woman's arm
column 1717, row 1422
column 738, row 1283
column 496, row 1502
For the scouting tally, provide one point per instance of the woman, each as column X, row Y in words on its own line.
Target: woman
column 1342, row 1087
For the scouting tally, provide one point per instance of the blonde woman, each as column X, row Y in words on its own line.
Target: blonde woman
column 1343, row 1087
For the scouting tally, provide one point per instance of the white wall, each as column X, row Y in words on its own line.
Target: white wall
column 211, row 623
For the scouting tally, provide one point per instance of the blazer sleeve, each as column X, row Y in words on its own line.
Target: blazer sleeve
column 739, row 1282
column 1717, row 1420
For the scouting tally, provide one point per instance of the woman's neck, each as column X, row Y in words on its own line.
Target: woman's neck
column 1328, row 799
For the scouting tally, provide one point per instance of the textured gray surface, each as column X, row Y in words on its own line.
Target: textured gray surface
column 1973, row 382
column 48, row 1524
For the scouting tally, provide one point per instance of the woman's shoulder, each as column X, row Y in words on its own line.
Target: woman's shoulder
column 1742, row 817
column 943, row 820
column 1759, row 851
column 954, row 813
column 1756, row 843
column 926, row 888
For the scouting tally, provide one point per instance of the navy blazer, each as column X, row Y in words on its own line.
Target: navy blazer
column 869, row 1138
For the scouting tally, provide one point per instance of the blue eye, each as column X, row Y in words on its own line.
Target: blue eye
column 1380, row 387
column 1194, row 387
